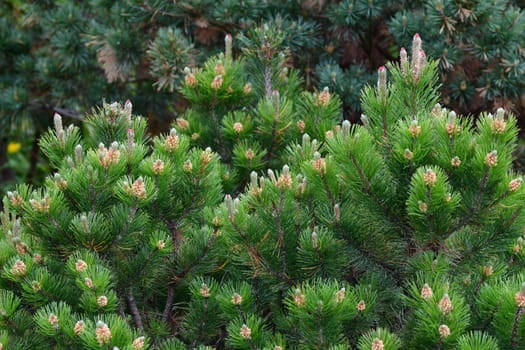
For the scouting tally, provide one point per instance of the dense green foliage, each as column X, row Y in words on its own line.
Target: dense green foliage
column 67, row 56
column 405, row 232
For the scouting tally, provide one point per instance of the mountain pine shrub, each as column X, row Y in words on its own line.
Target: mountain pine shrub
column 405, row 232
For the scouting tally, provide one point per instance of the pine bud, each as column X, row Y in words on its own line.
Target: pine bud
column 172, row 141
column 228, row 43
column 301, row 185
column 70, row 162
column 365, row 121
column 228, row 201
column 305, row 141
column 500, row 113
column 21, row 248
column 361, row 306
column 315, row 240
column 187, row 166
column 19, row 268
column 131, row 143
column 337, row 212
column 158, row 167
column 61, row 137
column 422, row 60
column 377, row 344
column 430, row 178
column 423, row 207
column 79, row 327
column 217, row 82
column 236, row 299
column 491, row 159
column 319, row 164
column 78, row 154
column 381, row 84
column 160, row 244
column 285, row 180
column 451, row 124
column 204, row 291
column 283, row 75
column 103, row 333
column 275, row 101
column 88, row 282
column 437, row 110
column 15, row 199
column 128, row 109
column 101, row 150
column 138, row 188
column 276, row 347
column 488, row 271
column 408, row 154
column 236, row 203
column 114, row 109
column 138, row 343
column 301, row 125
column 249, row 154
column 445, row 305
column 85, row 224
column 182, row 124
column 416, row 49
column 245, row 332
column 333, row 77
column 247, row 89
column 16, row 226
column 520, row 296
column 206, row 156
column 238, row 127
column 36, row 286
column 254, row 185
column 324, row 97
column 271, row 175
column 515, row 184
column 108, row 157
column 498, row 125
column 299, row 298
column 102, row 301
column 219, row 68
column 37, row 258
column 81, row 265
column 59, row 129
column 340, row 295
column 444, row 331
column 57, row 119
column 329, row 134
column 41, row 205
column 455, row 162
column 346, row 126
column 53, row 319
column 404, row 61
column 190, row 80
column 414, row 129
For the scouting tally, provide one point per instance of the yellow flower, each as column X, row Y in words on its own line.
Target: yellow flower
column 13, row 147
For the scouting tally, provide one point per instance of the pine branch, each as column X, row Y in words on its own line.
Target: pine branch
column 513, row 339
column 134, row 310
column 169, row 303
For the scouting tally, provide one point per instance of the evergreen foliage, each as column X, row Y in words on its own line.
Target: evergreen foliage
column 405, row 232
column 66, row 56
